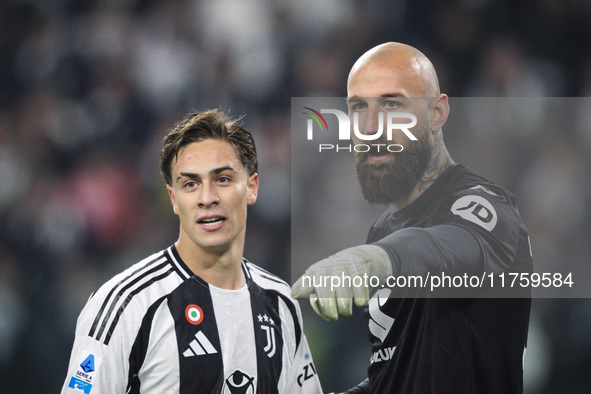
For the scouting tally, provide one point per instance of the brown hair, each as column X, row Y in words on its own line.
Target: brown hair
column 199, row 126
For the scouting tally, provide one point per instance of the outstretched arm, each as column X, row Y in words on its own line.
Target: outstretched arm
column 411, row 251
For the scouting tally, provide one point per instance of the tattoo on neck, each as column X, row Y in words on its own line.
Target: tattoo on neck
column 440, row 161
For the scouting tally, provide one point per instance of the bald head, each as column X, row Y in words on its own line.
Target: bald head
column 393, row 68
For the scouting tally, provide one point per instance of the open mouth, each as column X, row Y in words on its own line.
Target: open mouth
column 212, row 221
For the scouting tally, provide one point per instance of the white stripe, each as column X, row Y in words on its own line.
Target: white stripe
column 233, row 314
column 289, row 346
column 204, row 342
column 197, row 348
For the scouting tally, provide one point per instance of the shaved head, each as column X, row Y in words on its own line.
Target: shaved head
column 407, row 69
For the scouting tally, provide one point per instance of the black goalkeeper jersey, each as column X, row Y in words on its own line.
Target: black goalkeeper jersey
column 426, row 344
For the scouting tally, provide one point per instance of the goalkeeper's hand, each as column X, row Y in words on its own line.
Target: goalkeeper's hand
column 332, row 298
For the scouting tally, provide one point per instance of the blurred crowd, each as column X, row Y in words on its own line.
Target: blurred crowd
column 89, row 88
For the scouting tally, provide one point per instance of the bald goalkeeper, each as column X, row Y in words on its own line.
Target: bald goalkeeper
column 441, row 219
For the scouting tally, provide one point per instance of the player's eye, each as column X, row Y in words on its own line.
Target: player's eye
column 189, row 184
column 224, row 180
column 392, row 104
column 358, row 106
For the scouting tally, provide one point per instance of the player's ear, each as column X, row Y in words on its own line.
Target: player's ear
column 172, row 198
column 439, row 112
column 253, row 188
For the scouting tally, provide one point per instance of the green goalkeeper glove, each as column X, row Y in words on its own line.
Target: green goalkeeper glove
column 331, row 282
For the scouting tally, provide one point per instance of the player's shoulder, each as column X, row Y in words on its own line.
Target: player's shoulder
column 467, row 182
column 131, row 272
column 125, row 298
column 265, row 279
column 155, row 272
column 480, row 201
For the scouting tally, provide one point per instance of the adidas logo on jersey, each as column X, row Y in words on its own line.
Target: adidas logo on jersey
column 199, row 346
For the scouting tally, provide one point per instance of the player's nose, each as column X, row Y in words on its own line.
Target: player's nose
column 207, row 196
column 369, row 123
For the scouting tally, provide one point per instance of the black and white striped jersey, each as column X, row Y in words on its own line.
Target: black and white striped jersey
column 158, row 328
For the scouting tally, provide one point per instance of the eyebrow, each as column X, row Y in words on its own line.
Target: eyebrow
column 213, row 172
column 356, row 98
column 393, row 95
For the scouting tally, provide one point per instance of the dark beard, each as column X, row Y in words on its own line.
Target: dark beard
column 385, row 183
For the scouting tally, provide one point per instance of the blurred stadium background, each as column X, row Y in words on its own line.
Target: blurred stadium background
column 88, row 89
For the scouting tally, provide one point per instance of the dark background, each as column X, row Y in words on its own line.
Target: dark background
column 89, row 88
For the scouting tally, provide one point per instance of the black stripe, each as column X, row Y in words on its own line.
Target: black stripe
column 265, row 303
column 205, row 373
column 128, row 299
column 140, row 348
column 123, row 290
column 288, row 302
column 106, row 301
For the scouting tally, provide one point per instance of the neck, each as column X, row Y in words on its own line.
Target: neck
column 220, row 268
column 440, row 161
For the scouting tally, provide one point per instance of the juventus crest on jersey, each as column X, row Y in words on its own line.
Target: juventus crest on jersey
column 157, row 328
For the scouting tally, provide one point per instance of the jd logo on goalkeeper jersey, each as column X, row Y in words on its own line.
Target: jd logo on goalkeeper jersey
column 477, row 210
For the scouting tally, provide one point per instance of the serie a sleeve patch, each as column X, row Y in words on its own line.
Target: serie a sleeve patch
column 82, row 379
